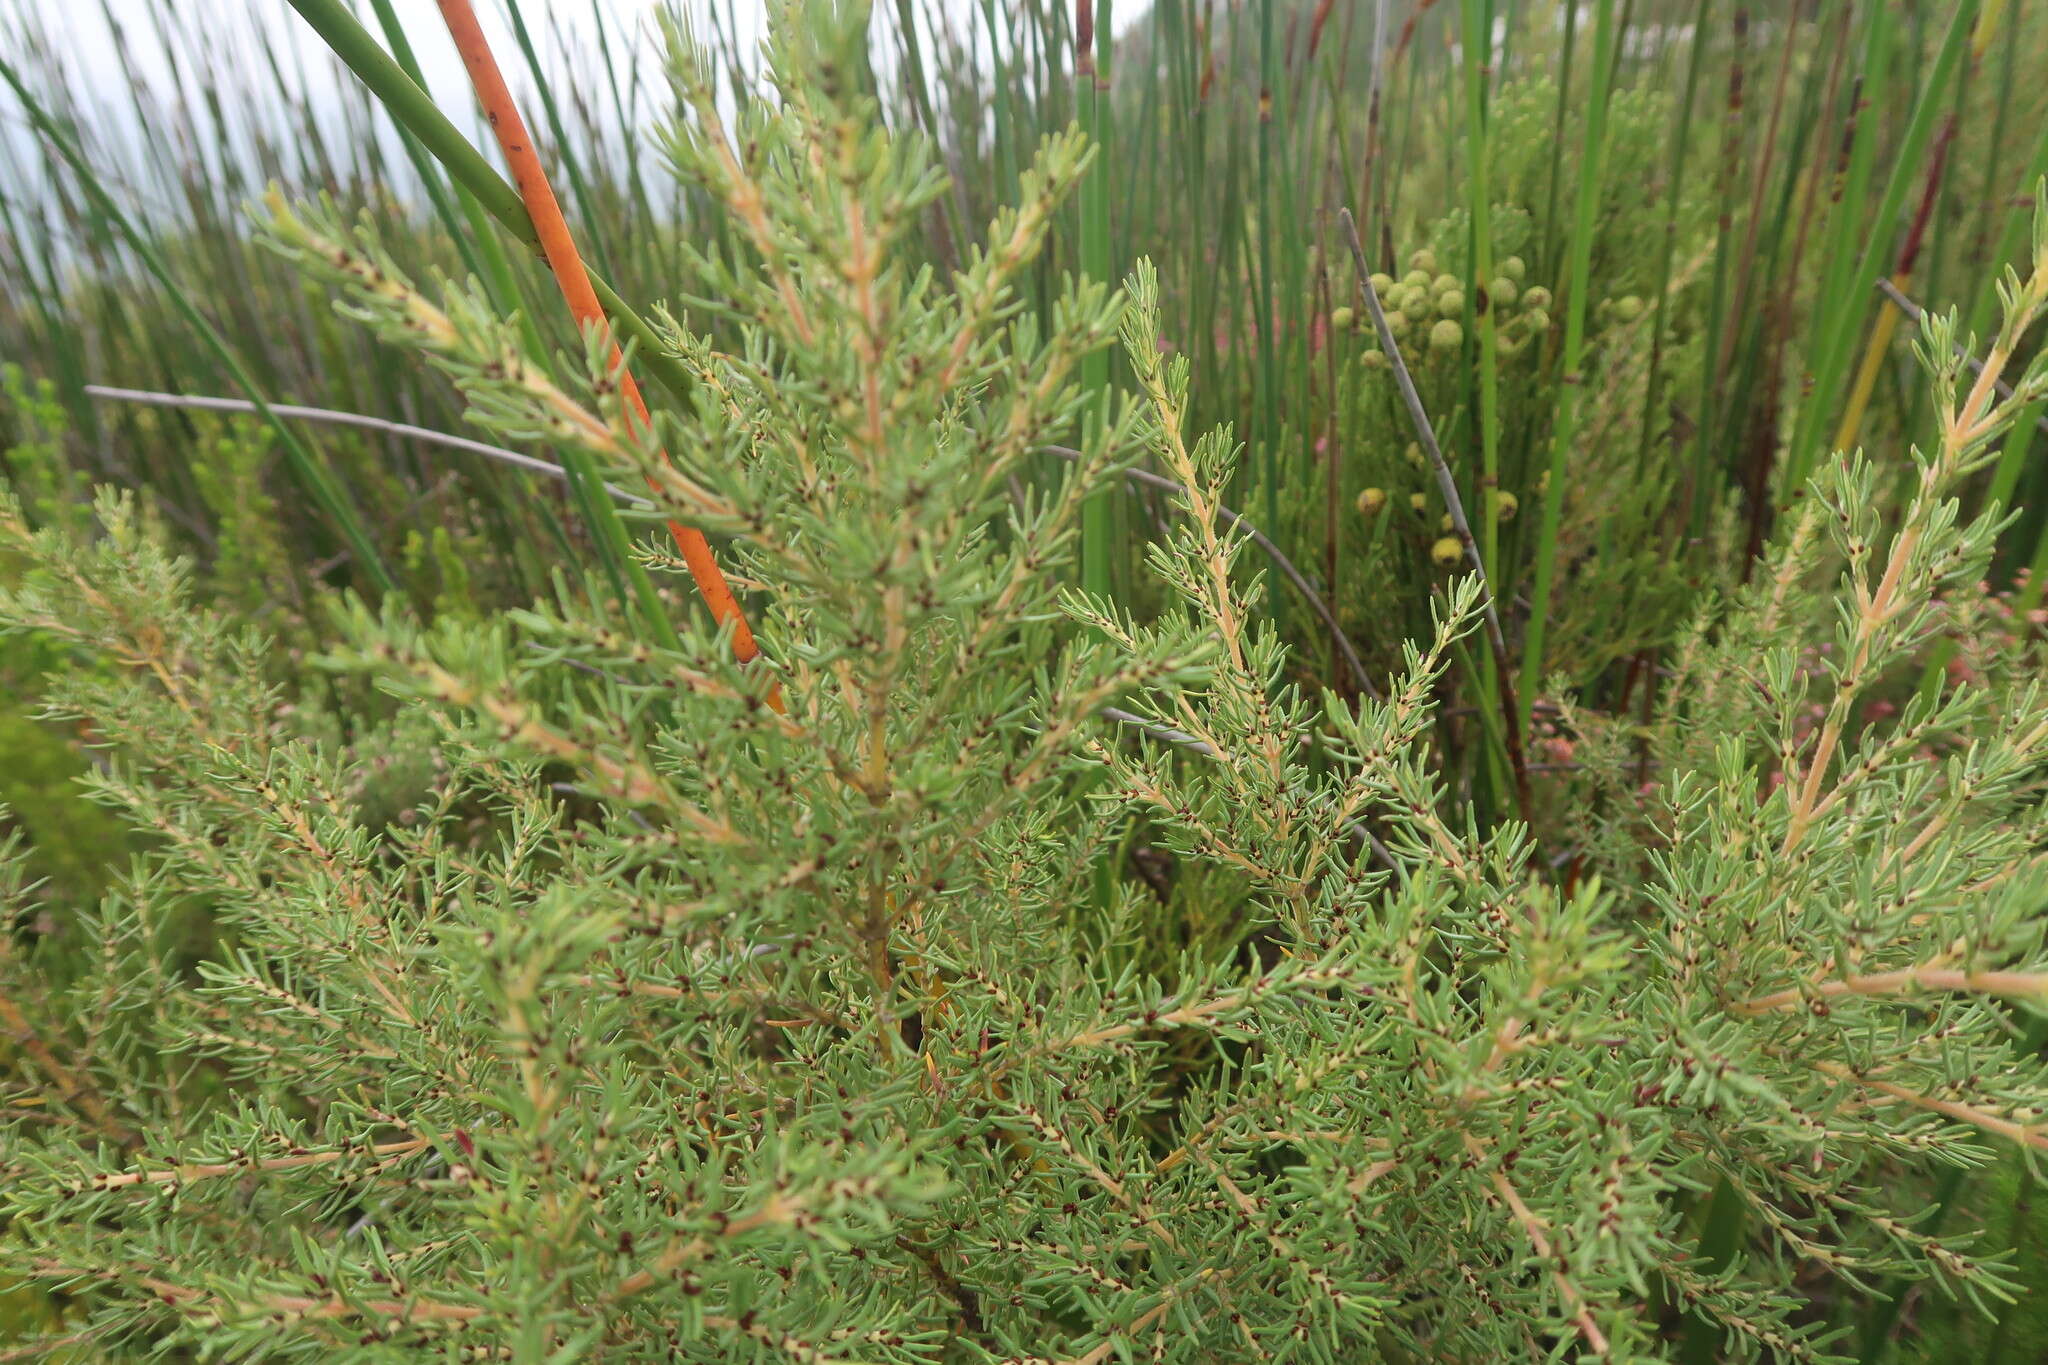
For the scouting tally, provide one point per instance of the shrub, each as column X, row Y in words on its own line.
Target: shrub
column 801, row 1011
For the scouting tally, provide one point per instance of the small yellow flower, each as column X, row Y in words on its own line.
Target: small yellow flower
column 1447, row 551
column 1505, row 504
column 1372, row 502
column 1419, row 501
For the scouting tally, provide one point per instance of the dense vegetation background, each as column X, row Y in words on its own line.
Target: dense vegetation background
column 1630, row 250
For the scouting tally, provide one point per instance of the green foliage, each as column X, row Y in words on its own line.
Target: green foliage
column 1624, row 590
column 252, row 568
column 618, row 1001
column 49, row 486
column 68, row 841
column 71, row 844
column 1231, row 141
column 2006, row 1205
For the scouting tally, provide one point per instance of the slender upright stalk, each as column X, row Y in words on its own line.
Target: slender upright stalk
column 1546, row 262
column 1266, row 412
column 1477, row 68
column 560, row 248
column 412, row 107
column 1843, row 309
column 1659, row 323
column 481, row 248
column 1765, row 161
column 1705, row 438
column 1091, row 81
column 1564, row 426
column 1887, row 319
column 565, row 147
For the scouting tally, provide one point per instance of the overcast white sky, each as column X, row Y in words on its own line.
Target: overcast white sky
column 250, row 35
column 83, row 30
column 83, row 26
column 246, row 38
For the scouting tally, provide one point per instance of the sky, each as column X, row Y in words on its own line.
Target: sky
column 246, row 37
column 252, row 34
column 82, row 26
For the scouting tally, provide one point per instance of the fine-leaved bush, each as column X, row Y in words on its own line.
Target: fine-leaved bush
column 805, row 1010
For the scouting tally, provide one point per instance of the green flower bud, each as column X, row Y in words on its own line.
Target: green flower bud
column 1341, row 319
column 1447, row 523
column 1446, row 336
column 1416, row 305
column 1451, row 303
column 1417, row 279
column 1513, row 268
column 1628, row 308
column 1443, row 284
column 1536, row 297
column 1381, row 282
column 1502, row 292
column 1424, row 261
column 1413, row 455
column 1398, row 324
column 1536, row 321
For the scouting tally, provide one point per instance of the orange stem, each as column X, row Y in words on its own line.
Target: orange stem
column 562, row 257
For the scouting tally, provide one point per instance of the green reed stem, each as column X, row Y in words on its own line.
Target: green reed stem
column 1564, row 426
column 1091, row 76
column 415, row 109
column 1844, row 309
column 1660, row 321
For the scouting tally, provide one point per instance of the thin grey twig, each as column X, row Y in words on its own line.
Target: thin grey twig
column 333, row 417
column 1352, row 662
column 571, row 789
column 1905, row 305
column 1424, row 433
column 1168, row 735
column 1373, row 178
column 1165, row 734
column 535, row 465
